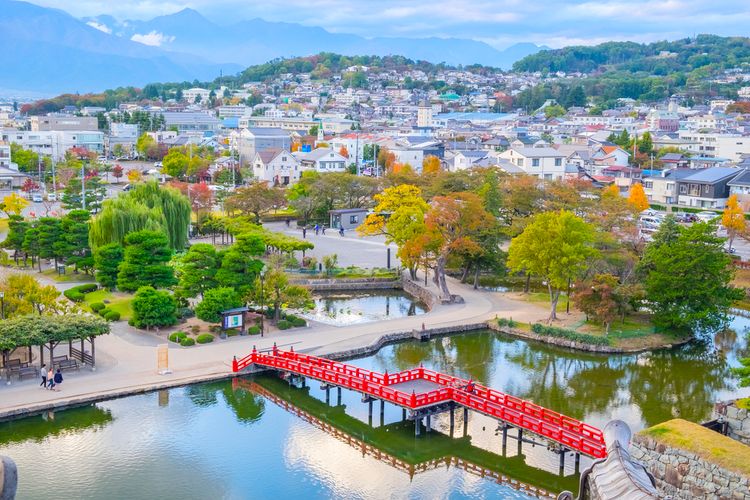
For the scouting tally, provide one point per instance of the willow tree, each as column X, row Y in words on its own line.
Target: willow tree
column 147, row 206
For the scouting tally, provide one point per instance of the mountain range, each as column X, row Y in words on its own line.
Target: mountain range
column 48, row 51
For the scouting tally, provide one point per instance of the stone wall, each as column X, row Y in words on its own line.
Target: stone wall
column 737, row 419
column 333, row 284
column 681, row 474
column 423, row 294
column 8, row 478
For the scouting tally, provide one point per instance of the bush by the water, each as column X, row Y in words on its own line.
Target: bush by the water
column 205, row 338
column 554, row 331
column 506, row 322
column 253, row 330
column 284, row 325
column 97, row 306
column 187, row 342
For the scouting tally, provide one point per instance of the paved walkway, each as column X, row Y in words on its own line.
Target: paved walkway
column 127, row 359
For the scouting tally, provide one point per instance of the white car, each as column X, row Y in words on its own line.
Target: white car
column 706, row 216
column 51, row 197
column 37, row 198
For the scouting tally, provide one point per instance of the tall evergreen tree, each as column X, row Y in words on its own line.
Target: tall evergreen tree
column 146, row 262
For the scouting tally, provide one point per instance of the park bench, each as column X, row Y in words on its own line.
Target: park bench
column 15, row 366
column 64, row 363
column 27, row 371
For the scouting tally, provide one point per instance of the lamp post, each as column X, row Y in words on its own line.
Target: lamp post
column 2, row 304
column 262, row 301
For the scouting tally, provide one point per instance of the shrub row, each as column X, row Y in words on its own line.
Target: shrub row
column 205, row 338
column 506, row 322
column 554, row 331
column 78, row 293
column 177, row 337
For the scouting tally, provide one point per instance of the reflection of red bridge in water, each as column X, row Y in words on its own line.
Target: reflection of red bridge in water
column 425, row 392
column 387, row 458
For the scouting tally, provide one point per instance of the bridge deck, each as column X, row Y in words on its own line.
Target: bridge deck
column 430, row 388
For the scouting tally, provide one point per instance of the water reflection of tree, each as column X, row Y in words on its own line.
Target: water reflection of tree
column 247, row 407
column 40, row 427
column 680, row 382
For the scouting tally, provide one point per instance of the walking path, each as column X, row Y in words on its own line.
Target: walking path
column 127, row 358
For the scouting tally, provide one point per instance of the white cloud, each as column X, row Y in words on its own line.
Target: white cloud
column 153, row 39
column 101, row 27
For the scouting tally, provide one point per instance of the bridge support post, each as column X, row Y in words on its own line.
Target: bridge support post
column 338, row 398
column 505, row 438
column 328, row 395
column 578, row 463
column 304, row 382
column 429, row 423
column 466, row 420
column 452, row 420
column 403, row 414
column 369, row 412
column 520, row 440
column 417, row 422
column 562, row 461
column 382, row 413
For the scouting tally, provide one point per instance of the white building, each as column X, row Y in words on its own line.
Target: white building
column 715, row 145
column 278, row 167
column 545, row 163
column 322, row 160
column 190, row 95
column 424, row 117
column 4, row 155
column 55, row 143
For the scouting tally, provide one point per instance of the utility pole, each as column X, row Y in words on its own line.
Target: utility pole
column 83, row 184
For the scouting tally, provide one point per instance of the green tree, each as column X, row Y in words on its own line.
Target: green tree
column 89, row 189
column 215, row 301
column 146, row 262
column 107, row 259
column 686, row 276
column 144, row 145
column 74, row 244
column 27, row 160
column 256, row 199
column 554, row 111
column 50, row 234
column 277, row 290
column 197, row 270
column 555, row 246
column 31, row 245
column 239, row 268
column 645, row 144
column 153, row 307
column 175, row 163
column 17, row 228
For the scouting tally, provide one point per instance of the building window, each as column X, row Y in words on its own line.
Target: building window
column 354, row 219
column 683, row 189
column 535, row 162
column 558, row 162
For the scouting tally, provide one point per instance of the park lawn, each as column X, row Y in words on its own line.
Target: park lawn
column 741, row 278
column 705, row 443
column 118, row 301
column 69, row 276
column 4, row 224
column 743, row 403
column 542, row 298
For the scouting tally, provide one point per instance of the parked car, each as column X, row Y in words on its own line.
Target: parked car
column 37, row 198
column 686, row 217
column 706, row 216
column 51, row 196
column 127, row 187
column 157, row 164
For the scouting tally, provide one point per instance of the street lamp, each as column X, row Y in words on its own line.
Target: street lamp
column 2, row 304
column 262, row 300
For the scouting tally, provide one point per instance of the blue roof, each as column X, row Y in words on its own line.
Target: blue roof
column 231, row 122
column 712, row 174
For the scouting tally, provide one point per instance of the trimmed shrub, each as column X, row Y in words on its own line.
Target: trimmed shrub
column 297, row 322
column 177, row 337
column 97, row 306
column 104, row 311
column 112, row 316
column 553, row 331
column 253, row 330
column 187, row 342
column 205, row 338
column 196, row 329
column 284, row 324
column 87, row 288
column 232, row 332
column 74, row 295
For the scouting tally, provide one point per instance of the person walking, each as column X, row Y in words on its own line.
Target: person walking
column 287, row 222
column 50, row 379
column 304, row 232
column 317, row 229
column 323, row 229
column 341, row 231
column 43, row 374
column 58, row 379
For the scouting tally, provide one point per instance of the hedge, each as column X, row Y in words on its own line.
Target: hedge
column 78, row 293
column 187, row 342
column 284, row 325
column 506, row 322
column 177, row 337
column 296, row 321
column 231, row 332
column 253, row 330
column 205, row 338
column 103, row 312
column 97, row 306
column 112, row 316
column 554, row 331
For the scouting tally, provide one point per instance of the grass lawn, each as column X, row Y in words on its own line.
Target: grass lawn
column 118, row 301
column 69, row 276
column 743, row 403
column 3, row 224
column 742, row 278
column 705, row 443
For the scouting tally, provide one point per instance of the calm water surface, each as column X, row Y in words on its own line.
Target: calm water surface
column 349, row 308
column 260, row 438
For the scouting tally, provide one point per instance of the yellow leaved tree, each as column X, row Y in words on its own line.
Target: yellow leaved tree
column 13, row 204
column 638, row 197
column 733, row 219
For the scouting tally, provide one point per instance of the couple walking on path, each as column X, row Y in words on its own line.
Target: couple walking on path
column 49, row 379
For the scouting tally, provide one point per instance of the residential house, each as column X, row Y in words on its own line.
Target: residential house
column 740, row 186
column 543, row 162
column 674, row 160
column 707, row 188
column 322, row 160
column 254, row 140
column 278, row 167
column 624, row 177
column 662, row 189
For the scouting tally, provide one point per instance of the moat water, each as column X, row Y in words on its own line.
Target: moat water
column 260, row 438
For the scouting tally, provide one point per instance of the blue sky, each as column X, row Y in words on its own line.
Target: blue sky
column 499, row 22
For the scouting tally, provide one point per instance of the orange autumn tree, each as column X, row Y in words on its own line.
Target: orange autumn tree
column 430, row 165
column 344, row 152
column 638, row 197
column 386, row 159
column 453, row 225
column 733, row 219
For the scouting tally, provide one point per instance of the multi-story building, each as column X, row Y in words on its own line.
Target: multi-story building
column 63, row 122
column 192, row 122
column 717, row 145
column 55, row 143
column 4, row 155
column 257, row 140
column 543, row 162
column 278, row 167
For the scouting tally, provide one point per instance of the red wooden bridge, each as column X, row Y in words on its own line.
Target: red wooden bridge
column 420, row 389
